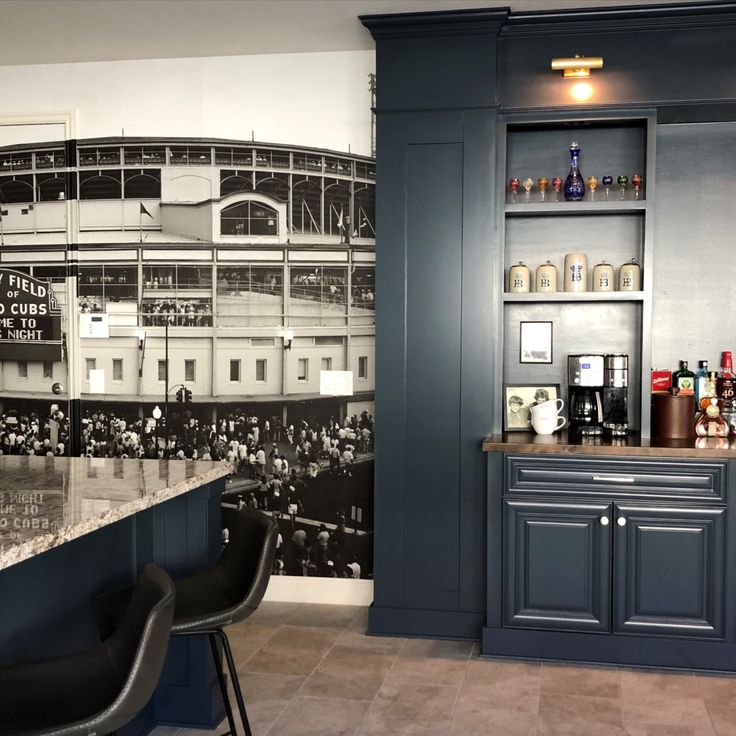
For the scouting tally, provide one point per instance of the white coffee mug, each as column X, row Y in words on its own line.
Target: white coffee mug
column 547, row 425
column 547, row 409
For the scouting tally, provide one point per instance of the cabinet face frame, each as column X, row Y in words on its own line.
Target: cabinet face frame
column 561, row 118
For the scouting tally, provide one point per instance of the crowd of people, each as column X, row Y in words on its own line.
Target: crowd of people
column 180, row 312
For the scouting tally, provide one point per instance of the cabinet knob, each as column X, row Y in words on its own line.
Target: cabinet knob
column 621, row 521
column 604, row 521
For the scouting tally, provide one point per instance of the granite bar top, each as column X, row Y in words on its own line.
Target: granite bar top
column 47, row 501
column 561, row 443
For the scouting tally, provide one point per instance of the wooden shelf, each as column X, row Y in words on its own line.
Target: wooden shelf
column 554, row 209
column 585, row 296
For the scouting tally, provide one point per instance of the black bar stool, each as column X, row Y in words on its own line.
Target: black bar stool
column 227, row 593
column 99, row 690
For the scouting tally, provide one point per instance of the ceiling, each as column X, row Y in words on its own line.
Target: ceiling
column 57, row 31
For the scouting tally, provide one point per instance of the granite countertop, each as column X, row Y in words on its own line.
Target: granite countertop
column 561, row 443
column 45, row 502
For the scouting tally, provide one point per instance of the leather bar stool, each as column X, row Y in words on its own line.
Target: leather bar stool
column 100, row 690
column 225, row 594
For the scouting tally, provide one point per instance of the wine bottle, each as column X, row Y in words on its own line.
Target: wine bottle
column 574, row 184
column 725, row 382
column 684, row 379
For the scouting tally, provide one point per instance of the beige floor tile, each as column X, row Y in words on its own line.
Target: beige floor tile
column 382, row 644
column 246, row 640
column 493, row 723
column 432, row 662
column 577, row 727
column 360, row 620
column 572, row 680
column 666, row 708
column 349, row 672
column 717, row 690
column 659, row 729
column 164, row 731
column 724, row 720
column 409, row 708
column 657, row 683
column 332, row 616
column 293, row 650
column 500, row 685
column 266, row 696
column 558, row 708
column 274, row 613
column 320, row 717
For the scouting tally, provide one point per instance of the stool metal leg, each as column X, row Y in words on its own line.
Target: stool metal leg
column 223, row 685
column 235, row 680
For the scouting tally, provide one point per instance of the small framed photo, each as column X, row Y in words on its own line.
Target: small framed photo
column 535, row 342
column 518, row 400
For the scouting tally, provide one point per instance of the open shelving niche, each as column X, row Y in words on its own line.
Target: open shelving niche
column 605, row 229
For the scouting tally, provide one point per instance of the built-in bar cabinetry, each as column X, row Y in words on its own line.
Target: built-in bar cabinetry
column 610, row 553
column 607, row 225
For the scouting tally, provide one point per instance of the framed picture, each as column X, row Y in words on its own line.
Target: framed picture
column 519, row 398
column 535, row 342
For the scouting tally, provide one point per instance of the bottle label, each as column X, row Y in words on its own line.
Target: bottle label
column 686, row 384
column 545, row 282
column 576, row 272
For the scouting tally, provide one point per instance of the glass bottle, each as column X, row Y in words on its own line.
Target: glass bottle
column 684, row 379
column 703, row 391
column 725, row 382
column 557, row 185
column 710, row 423
column 528, row 184
column 574, row 184
column 542, row 183
column 514, row 185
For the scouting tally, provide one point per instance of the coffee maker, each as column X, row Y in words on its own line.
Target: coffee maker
column 616, row 395
column 585, row 393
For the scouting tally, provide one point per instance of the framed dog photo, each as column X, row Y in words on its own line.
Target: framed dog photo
column 518, row 400
column 535, row 342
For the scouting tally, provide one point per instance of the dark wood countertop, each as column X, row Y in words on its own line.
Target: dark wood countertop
column 561, row 443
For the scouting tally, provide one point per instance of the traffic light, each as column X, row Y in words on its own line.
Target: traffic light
column 180, row 396
column 187, row 396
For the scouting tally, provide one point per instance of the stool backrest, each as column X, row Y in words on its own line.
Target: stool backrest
column 245, row 565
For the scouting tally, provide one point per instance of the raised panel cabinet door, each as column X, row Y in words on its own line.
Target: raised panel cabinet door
column 557, row 559
column 669, row 571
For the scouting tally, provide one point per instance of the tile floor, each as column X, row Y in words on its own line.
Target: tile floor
column 308, row 670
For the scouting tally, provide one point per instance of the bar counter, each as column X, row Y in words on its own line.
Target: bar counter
column 561, row 443
column 48, row 501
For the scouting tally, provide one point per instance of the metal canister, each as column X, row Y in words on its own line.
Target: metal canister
column 576, row 272
column 546, row 279
column 629, row 276
column 603, row 277
column 519, row 278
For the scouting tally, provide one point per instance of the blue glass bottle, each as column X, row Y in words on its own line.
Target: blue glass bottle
column 574, row 184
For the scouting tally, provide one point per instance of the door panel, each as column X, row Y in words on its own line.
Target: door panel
column 669, row 571
column 557, row 563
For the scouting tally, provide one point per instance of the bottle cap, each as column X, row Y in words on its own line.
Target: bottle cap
column 702, row 364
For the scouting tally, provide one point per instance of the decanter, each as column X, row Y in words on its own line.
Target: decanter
column 574, row 184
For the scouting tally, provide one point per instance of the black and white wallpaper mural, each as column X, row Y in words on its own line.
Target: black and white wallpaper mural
column 221, row 211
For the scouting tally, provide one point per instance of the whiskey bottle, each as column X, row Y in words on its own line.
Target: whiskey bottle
column 574, row 184
column 725, row 382
column 710, row 423
column 684, row 379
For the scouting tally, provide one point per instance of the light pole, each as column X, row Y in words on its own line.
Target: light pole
column 156, row 413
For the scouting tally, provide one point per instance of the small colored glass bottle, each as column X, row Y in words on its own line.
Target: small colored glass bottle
column 574, row 184
column 704, row 389
column 710, row 423
column 684, row 379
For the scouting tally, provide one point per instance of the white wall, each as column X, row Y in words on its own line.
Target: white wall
column 318, row 99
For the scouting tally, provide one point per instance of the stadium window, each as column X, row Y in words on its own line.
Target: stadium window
column 235, row 181
column 16, row 189
column 50, row 159
column 326, row 364
column 235, row 371
column 100, row 185
column 50, row 188
column 143, row 184
column 90, row 364
column 306, row 207
column 262, row 342
column 275, row 186
column 337, row 208
column 161, row 370
column 22, row 369
column 260, row 370
column 364, row 219
column 190, row 370
column 117, row 369
column 48, row 369
column 329, row 340
column 363, row 367
column 302, row 369
column 249, row 218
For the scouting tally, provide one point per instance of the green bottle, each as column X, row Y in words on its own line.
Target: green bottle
column 684, row 379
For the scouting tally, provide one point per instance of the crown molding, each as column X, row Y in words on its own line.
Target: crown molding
column 435, row 23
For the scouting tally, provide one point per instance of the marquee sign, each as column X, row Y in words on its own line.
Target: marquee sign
column 30, row 318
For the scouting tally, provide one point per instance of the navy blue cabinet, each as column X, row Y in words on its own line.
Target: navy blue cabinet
column 556, row 565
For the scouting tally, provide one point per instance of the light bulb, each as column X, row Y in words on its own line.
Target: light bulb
column 581, row 91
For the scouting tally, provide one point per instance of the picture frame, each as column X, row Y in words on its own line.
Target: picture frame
column 520, row 397
column 535, row 342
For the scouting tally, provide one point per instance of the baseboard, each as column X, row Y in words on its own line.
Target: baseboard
column 425, row 623
column 338, row 591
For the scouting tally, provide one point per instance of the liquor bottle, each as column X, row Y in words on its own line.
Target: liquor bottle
column 701, row 384
column 725, row 382
column 574, row 184
column 684, row 379
column 710, row 423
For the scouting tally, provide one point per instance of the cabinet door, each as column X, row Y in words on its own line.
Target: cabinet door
column 556, row 565
column 669, row 571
